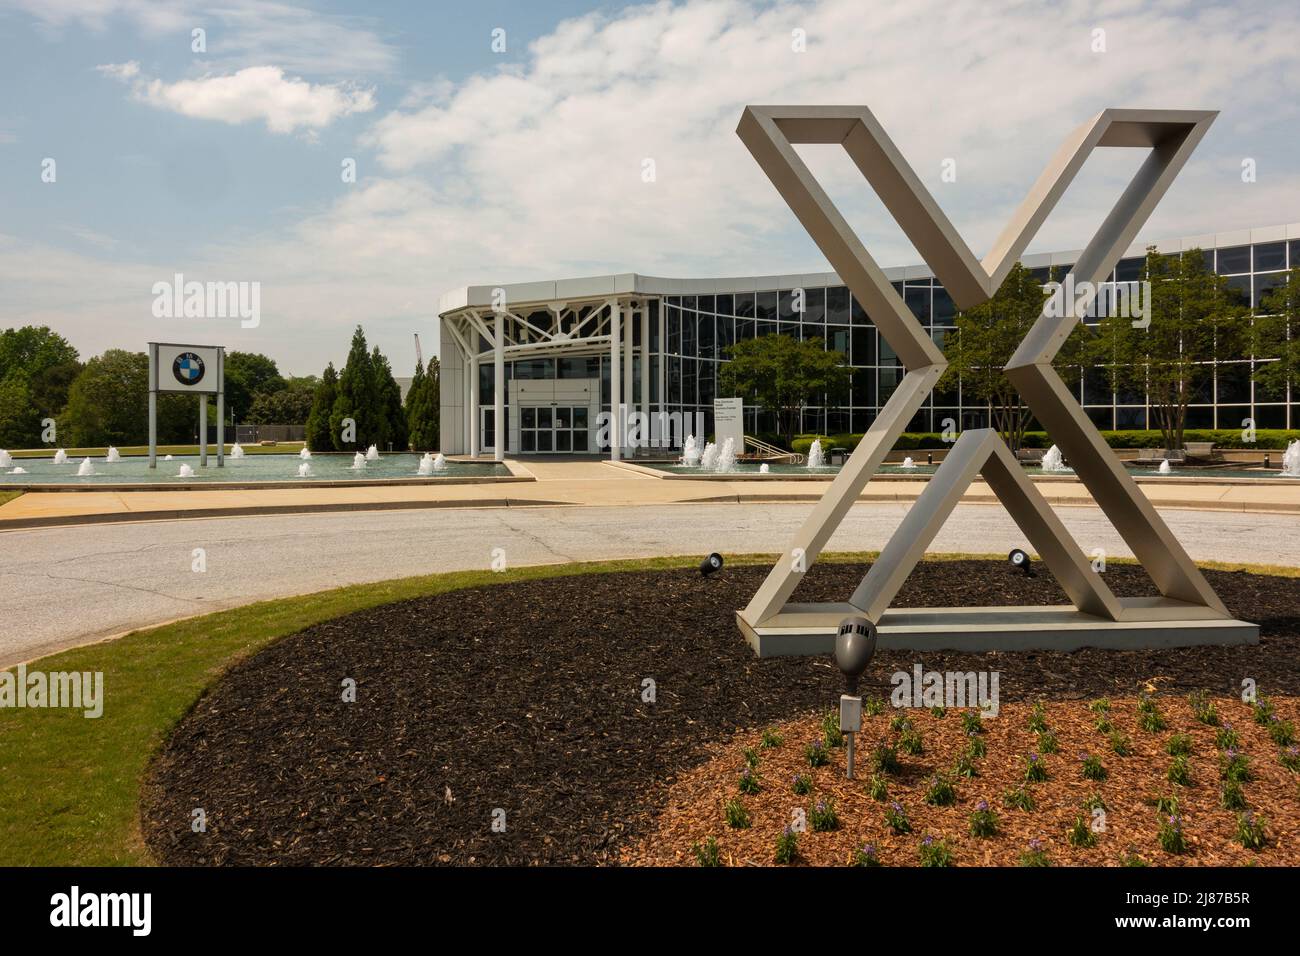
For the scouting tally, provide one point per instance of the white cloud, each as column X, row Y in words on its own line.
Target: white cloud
column 254, row 93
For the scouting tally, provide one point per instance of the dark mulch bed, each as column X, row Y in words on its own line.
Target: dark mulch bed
column 527, row 697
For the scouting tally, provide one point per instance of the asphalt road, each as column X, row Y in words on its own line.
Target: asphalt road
column 64, row 586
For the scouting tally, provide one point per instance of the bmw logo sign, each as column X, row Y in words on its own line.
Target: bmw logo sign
column 188, row 368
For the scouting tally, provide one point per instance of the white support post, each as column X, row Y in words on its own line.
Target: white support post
column 629, row 401
column 663, row 371
column 221, row 408
column 645, row 370
column 153, row 406
column 615, row 382
column 499, row 384
column 473, row 406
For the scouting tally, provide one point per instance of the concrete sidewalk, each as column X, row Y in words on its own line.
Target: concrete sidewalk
column 590, row 483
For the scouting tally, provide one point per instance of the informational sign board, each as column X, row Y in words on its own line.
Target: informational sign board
column 729, row 422
column 188, row 368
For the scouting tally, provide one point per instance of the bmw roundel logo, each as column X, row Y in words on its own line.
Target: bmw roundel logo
column 188, row 368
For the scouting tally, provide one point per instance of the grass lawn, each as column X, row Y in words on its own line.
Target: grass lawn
column 8, row 496
column 283, row 448
column 69, row 785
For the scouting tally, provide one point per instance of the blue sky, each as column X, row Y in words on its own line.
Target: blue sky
column 476, row 166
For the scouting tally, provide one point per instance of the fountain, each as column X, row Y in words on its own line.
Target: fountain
column 185, row 472
column 1053, row 460
column 1291, row 460
column 440, row 462
column 6, row 459
column 691, row 452
column 113, row 455
column 305, row 453
column 372, row 453
column 815, row 457
column 236, row 450
column 304, row 470
column 85, row 468
column 358, row 461
column 709, row 460
column 18, row 471
column 426, row 465
column 167, row 457
column 60, row 457
column 1164, row 467
column 726, row 457
column 763, row 469
column 908, row 464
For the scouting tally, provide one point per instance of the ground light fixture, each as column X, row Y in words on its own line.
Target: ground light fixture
column 710, row 564
column 855, row 644
column 1020, row 561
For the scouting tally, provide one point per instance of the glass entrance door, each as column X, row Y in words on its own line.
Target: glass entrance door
column 555, row 429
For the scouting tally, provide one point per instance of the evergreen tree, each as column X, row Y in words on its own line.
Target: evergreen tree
column 318, row 420
column 358, row 400
column 422, row 408
column 393, row 419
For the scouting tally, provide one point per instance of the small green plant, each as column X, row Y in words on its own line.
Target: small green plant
column 1038, row 718
column 876, row 789
column 1250, row 831
column 965, row 766
column 1093, row 801
column 772, row 738
column 1104, row 725
column 749, row 782
column 939, row 713
column 1149, row 717
column 984, row 821
column 910, row 742
column 1092, row 768
column 801, row 785
column 935, row 852
column 1231, row 796
column 1035, row 855
column 1035, row 769
column 884, row 759
column 896, row 819
column 977, row 747
column 1132, row 860
column 816, row 754
column 1179, row 772
column 1047, row 743
column 831, row 733
column 1282, row 732
column 1170, row 834
column 972, row 722
column 1226, row 738
column 1289, row 757
column 1234, row 765
column 1166, row 805
column 823, row 817
column 707, row 853
column 737, row 816
column 1019, row 799
column 1100, row 706
column 872, row 706
column 941, row 792
column 787, row 846
column 899, row 722
column 1263, row 710
column 751, row 758
column 1203, row 708
column 1179, row 745
column 865, row 856
column 1080, row 834
column 1119, row 744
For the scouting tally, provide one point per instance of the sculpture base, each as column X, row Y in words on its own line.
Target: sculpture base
column 807, row 629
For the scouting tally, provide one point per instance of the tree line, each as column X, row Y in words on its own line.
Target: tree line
column 104, row 401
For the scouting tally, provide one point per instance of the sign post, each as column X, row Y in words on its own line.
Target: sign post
column 199, row 369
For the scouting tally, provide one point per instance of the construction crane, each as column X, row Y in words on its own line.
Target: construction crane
column 419, row 356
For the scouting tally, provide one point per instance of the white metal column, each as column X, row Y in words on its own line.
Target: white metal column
column 203, row 431
column 499, row 382
column 615, row 381
column 473, row 405
column 645, row 371
column 629, row 350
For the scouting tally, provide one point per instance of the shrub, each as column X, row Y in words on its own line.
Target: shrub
column 984, row 821
column 831, row 729
column 1226, row 738
column 707, row 853
column 1034, row 855
column 823, row 817
column 1179, row 745
column 941, row 792
column 1100, row 706
column 1231, row 796
column 1035, row 769
column 872, row 706
column 1093, row 801
column 910, row 742
column 965, row 766
column 865, row 856
column 749, row 782
column 1092, row 768
column 1235, row 766
column 972, row 722
column 801, row 785
column 935, row 852
column 1166, row 805
column 1171, row 834
column 1179, row 772
column 1119, row 744
column 751, row 758
column 1104, row 725
column 896, row 819
column 1250, row 831
column 736, row 814
column 816, row 754
column 884, row 759
column 899, row 723
column 1282, row 732
column 1149, row 717
column 1080, row 834
column 1019, row 799
column 1047, row 743
column 1263, row 710
column 787, row 846
column 772, row 738
column 939, row 712
column 976, row 747
column 1038, row 718
column 1203, row 708
column 1290, row 758
column 877, row 789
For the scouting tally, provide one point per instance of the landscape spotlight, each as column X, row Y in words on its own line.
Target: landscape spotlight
column 710, row 564
column 855, row 644
column 1020, row 560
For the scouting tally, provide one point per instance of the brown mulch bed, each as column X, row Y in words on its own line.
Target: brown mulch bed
column 526, row 697
column 694, row 810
